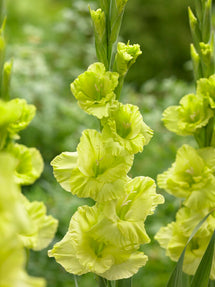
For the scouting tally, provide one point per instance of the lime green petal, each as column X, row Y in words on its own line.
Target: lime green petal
column 170, row 119
column 208, row 155
column 175, row 235
column 104, row 172
column 30, row 163
column 85, row 253
column 25, row 280
column 128, row 235
column 63, row 165
column 185, row 175
column 102, row 176
column 192, row 114
column 187, row 218
column 12, row 256
column 43, row 227
column 141, row 200
column 94, row 90
column 125, row 57
column 11, row 206
column 206, row 89
column 8, row 115
column 127, row 268
column 65, row 255
column 126, row 126
column 27, row 113
column 102, row 159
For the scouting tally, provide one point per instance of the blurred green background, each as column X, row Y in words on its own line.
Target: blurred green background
column 51, row 43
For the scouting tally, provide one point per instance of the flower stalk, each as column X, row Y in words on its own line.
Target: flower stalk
column 105, row 238
column 191, row 177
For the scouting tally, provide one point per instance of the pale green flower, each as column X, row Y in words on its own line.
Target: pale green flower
column 43, row 227
column 80, row 252
column 26, row 114
column 15, row 115
column 188, row 173
column 126, row 56
column 206, row 88
column 126, row 126
column 175, row 235
column 11, row 208
column 124, row 218
column 95, row 170
column 192, row 113
column 29, row 163
column 13, row 221
column 94, row 90
column 13, row 259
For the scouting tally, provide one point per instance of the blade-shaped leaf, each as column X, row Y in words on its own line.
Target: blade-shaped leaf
column 176, row 276
column 201, row 277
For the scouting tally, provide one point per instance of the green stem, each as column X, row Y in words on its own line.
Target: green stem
column 119, row 87
column 109, row 44
column 76, row 282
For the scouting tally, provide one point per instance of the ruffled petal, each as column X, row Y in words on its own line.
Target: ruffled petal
column 29, row 163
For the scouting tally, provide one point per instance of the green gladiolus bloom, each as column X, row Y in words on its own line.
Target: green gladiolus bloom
column 204, row 198
column 11, row 207
column 94, row 90
column 27, row 113
column 12, row 259
column 125, row 125
column 15, row 116
column 192, row 114
column 206, row 88
column 13, row 221
column 80, row 252
column 124, row 218
column 175, row 235
column 189, row 173
column 126, row 56
column 43, row 227
column 29, row 163
column 94, row 171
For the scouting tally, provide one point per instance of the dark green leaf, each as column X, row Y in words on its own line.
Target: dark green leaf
column 201, row 278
